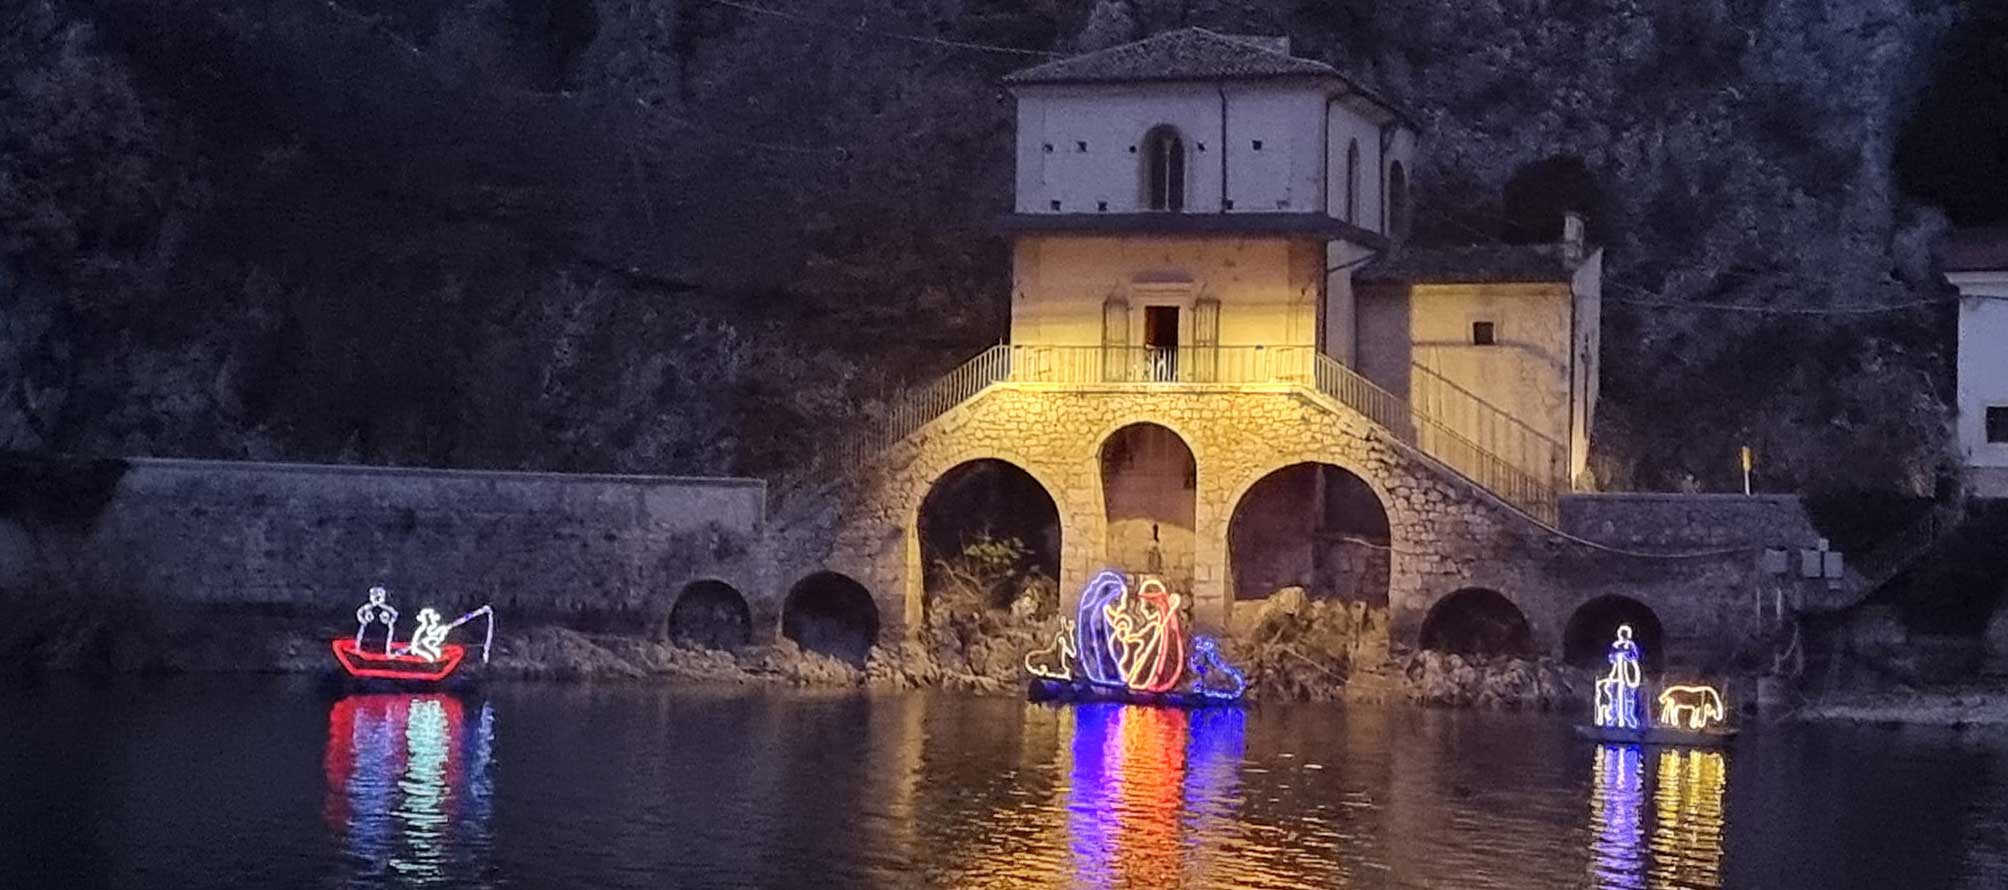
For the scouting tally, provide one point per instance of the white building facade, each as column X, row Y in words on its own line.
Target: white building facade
column 1976, row 262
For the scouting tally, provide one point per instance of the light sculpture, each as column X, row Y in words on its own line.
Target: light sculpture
column 1210, row 667
column 1152, row 637
column 1055, row 662
column 375, row 609
column 1134, row 641
column 1691, row 707
column 1100, row 650
column 426, row 658
column 1617, row 691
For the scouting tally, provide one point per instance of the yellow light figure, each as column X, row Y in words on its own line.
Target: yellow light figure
column 1055, row 662
column 1701, row 705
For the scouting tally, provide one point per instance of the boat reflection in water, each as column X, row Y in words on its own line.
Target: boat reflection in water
column 409, row 788
column 1147, row 784
column 1685, row 850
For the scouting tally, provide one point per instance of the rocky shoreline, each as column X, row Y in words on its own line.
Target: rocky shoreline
column 557, row 653
column 1955, row 708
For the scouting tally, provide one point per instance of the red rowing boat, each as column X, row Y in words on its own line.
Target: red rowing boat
column 403, row 666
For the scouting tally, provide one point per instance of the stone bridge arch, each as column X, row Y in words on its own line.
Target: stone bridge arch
column 941, row 525
column 1315, row 525
column 1445, row 533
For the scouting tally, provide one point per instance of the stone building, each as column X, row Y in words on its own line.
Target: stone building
column 1227, row 368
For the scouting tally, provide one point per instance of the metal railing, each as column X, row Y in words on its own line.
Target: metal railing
column 1482, row 422
column 1438, row 440
column 1882, row 564
column 917, row 407
column 1299, row 366
column 1081, row 365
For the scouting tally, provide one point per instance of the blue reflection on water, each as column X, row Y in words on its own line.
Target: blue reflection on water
column 1143, row 784
column 1618, row 853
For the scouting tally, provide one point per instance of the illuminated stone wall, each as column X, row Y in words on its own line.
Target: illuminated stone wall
column 593, row 550
column 1446, row 534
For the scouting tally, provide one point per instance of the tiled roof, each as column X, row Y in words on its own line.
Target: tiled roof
column 1475, row 264
column 1975, row 250
column 1184, row 54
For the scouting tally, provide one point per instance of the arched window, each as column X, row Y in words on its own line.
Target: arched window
column 1164, row 169
column 1397, row 200
column 1352, row 181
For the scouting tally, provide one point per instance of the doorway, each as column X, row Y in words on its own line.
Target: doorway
column 1160, row 341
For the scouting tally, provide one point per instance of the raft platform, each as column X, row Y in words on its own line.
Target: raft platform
column 1041, row 689
column 1680, row 738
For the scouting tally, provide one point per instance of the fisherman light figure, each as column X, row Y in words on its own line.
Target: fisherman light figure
column 377, row 610
column 426, row 640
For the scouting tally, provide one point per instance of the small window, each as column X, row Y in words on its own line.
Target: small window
column 1164, row 169
column 1049, row 148
column 1102, row 206
column 1080, row 146
column 1055, row 205
column 1258, row 145
column 1353, row 181
column 1997, row 424
column 1483, row 334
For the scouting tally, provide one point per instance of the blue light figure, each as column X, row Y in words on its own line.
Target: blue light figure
column 1099, row 649
column 1212, row 676
column 1618, row 700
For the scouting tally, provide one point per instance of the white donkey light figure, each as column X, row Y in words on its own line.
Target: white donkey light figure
column 377, row 610
column 1617, row 691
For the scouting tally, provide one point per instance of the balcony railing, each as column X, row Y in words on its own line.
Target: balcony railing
column 1300, row 366
column 1079, row 365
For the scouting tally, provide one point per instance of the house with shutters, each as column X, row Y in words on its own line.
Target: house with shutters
column 1200, row 207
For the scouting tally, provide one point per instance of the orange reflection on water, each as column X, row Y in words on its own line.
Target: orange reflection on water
column 1687, row 834
column 1125, row 795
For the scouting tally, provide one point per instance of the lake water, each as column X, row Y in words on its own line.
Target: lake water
column 275, row 783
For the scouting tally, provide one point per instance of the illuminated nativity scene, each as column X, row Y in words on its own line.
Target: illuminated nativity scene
column 1130, row 645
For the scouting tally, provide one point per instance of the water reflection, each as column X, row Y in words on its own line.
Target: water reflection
column 1146, row 785
column 1617, row 854
column 1687, row 836
column 1685, row 850
column 409, row 786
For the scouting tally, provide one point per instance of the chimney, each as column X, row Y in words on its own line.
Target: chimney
column 1572, row 238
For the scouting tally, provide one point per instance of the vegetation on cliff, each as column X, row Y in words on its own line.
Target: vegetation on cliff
column 692, row 237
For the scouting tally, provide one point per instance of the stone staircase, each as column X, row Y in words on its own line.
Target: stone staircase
column 1300, row 369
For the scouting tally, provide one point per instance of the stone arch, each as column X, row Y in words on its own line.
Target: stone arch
column 988, row 496
column 830, row 613
column 1150, row 500
column 1477, row 621
column 1586, row 641
column 712, row 614
column 1314, row 525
